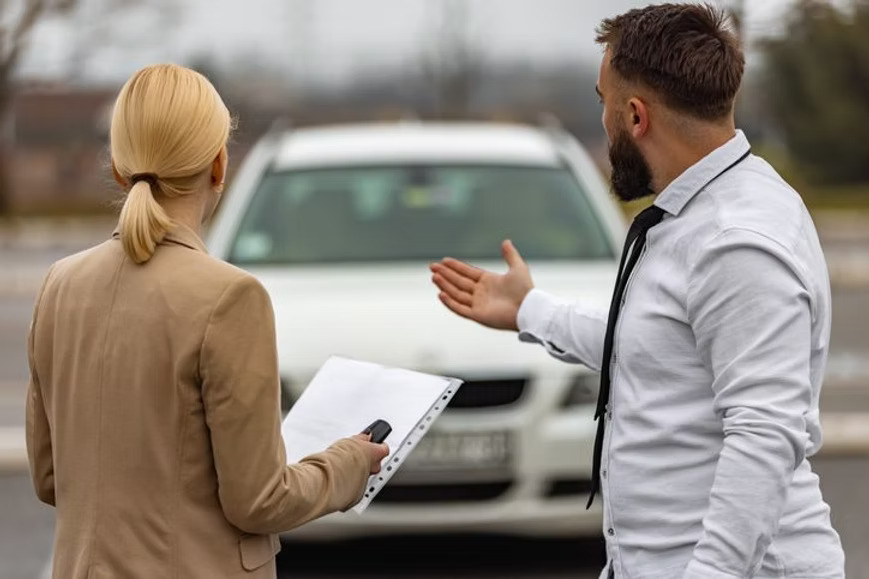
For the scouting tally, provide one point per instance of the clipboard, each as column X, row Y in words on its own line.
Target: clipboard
column 346, row 395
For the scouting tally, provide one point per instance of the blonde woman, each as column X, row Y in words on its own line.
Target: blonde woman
column 153, row 421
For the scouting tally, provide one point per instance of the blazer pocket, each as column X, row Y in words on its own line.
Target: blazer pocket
column 257, row 550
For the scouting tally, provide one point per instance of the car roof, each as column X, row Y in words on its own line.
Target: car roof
column 415, row 141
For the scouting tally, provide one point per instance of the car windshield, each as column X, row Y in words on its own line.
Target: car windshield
column 420, row 212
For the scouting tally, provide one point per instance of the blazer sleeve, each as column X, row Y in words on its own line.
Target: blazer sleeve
column 258, row 491
column 38, row 431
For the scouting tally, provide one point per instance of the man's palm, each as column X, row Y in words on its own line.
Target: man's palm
column 487, row 298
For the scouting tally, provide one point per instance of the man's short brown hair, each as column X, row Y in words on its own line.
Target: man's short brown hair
column 684, row 52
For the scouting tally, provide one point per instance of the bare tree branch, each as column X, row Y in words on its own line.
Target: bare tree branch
column 93, row 28
column 453, row 63
column 12, row 49
column 15, row 33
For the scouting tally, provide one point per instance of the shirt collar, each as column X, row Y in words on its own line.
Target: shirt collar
column 678, row 193
column 181, row 235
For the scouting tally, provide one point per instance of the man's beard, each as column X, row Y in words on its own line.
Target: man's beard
column 631, row 176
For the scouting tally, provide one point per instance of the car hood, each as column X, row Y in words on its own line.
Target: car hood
column 391, row 315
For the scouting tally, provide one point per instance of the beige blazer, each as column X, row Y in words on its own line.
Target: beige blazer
column 153, row 420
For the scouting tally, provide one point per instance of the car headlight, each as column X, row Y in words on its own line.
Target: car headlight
column 582, row 390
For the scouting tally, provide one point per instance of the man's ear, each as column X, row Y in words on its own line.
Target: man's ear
column 639, row 117
column 120, row 180
column 218, row 167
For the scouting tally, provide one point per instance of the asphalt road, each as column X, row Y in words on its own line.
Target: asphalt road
column 26, row 530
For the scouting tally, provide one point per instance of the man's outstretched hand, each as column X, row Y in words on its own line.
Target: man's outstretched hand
column 485, row 297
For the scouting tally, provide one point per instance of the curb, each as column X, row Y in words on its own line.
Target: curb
column 13, row 450
column 846, row 272
column 845, row 434
column 55, row 233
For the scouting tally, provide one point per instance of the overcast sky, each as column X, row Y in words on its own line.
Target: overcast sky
column 331, row 40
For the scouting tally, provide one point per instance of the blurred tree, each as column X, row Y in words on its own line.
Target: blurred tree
column 17, row 21
column 452, row 64
column 817, row 85
column 97, row 24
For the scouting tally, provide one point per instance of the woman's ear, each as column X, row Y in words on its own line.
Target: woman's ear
column 120, row 180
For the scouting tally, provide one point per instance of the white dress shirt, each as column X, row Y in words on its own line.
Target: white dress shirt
column 717, row 366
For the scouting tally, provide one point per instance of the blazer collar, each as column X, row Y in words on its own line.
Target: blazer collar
column 181, row 235
column 678, row 193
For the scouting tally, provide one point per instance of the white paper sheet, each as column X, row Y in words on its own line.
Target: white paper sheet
column 347, row 395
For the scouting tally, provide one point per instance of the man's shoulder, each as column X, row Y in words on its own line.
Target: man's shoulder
column 757, row 202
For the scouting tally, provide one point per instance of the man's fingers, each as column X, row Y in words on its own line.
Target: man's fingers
column 456, row 294
column 456, row 307
column 462, row 268
column 462, row 282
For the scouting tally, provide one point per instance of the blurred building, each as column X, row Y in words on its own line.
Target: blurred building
column 57, row 156
column 56, row 141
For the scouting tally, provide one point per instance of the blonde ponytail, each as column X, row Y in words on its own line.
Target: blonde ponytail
column 169, row 124
column 143, row 223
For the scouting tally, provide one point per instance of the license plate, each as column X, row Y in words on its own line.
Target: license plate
column 442, row 450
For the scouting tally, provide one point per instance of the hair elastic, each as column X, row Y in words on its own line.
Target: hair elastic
column 151, row 178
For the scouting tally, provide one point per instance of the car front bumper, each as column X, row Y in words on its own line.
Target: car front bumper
column 542, row 492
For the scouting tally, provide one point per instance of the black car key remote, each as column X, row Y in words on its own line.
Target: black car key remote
column 379, row 430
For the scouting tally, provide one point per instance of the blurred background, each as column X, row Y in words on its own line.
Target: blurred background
column 804, row 106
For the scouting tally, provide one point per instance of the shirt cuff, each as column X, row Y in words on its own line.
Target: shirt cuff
column 535, row 316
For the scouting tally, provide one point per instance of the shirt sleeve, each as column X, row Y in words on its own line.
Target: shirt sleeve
column 258, row 491
column 751, row 312
column 568, row 331
column 40, row 454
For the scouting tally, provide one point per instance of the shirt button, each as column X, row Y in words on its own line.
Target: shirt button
column 603, row 473
column 610, row 532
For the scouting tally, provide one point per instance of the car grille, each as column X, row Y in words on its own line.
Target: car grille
column 442, row 493
column 488, row 393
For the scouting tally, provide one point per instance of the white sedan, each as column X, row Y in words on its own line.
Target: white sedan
column 340, row 224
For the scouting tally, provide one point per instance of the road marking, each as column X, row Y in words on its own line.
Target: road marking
column 13, row 449
column 845, row 433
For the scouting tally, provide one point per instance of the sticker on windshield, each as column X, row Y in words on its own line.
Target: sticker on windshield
column 428, row 197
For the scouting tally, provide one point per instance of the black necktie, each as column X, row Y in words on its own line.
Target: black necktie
column 630, row 255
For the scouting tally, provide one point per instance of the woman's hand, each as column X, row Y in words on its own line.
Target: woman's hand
column 376, row 452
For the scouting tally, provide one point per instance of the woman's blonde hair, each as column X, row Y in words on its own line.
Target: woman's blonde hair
column 168, row 126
